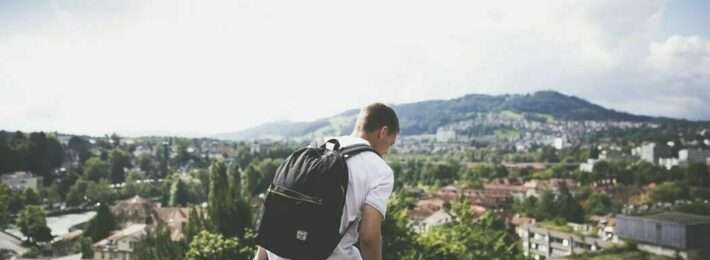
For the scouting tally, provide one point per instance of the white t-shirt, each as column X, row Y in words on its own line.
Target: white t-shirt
column 370, row 182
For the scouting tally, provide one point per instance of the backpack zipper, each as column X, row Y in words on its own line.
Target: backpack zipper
column 296, row 198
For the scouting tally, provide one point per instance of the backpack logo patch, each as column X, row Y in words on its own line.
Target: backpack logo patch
column 301, row 235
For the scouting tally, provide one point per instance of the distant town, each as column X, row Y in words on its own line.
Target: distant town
column 557, row 190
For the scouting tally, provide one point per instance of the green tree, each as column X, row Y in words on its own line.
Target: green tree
column 546, row 205
column 120, row 161
column 31, row 197
column 4, row 205
column 230, row 215
column 33, row 224
column 145, row 163
column 398, row 237
column 84, row 247
column 598, row 204
column 100, row 192
column 568, row 208
column 195, row 224
column 101, row 225
column 95, row 169
column 15, row 202
column 669, row 192
column 76, row 196
column 697, row 175
column 178, row 194
column 208, row 246
column 53, row 195
column 156, row 244
column 485, row 239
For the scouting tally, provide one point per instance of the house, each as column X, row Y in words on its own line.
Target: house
column 536, row 187
column 667, row 233
column 540, row 242
column 21, row 181
column 512, row 186
column 175, row 219
column 439, row 217
column 138, row 210
column 120, row 245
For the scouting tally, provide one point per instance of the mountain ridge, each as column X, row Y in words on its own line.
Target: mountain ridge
column 424, row 117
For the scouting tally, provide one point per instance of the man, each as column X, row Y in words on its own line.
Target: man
column 370, row 184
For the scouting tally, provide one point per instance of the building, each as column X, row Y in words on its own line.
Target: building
column 120, row 245
column 560, row 143
column 668, row 163
column 652, row 152
column 439, row 217
column 588, row 166
column 540, row 242
column 22, row 181
column 690, row 156
column 667, row 233
column 138, row 210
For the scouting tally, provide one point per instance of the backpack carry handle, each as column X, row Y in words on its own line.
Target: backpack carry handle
column 336, row 144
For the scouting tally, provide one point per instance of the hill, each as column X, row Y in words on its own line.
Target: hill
column 427, row 116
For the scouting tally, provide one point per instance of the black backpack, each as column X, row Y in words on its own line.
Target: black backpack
column 300, row 216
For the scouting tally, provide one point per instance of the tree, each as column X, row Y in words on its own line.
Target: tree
column 598, row 204
column 31, row 197
column 546, row 205
column 697, row 175
column 207, row 246
column 101, row 225
column 195, row 224
column 76, row 196
column 84, row 247
column 100, row 192
column 145, row 163
column 178, row 194
column 568, row 208
column 529, row 206
column 156, row 244
column 33, row 224
column 398, row 237
column 95, row 169
column 45, row 154
column 669, row 192
column 120, row 161
column 4, row 205
column 485, row 239
column 53, row 195
column 15, row 202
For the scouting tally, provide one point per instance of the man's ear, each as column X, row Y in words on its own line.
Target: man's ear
column 383, row 131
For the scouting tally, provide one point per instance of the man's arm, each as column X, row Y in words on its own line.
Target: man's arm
column 261, row 254
column 370, row 233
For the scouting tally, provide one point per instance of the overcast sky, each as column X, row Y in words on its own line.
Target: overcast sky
column 205, row 67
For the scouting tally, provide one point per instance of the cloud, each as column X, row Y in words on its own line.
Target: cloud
column 217, row 66
column 684, row 58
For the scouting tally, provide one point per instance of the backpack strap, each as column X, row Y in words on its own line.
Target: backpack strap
column 352, row 150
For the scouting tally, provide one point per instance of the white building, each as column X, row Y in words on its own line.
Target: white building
column 690, row 156
column 438, row 218
column 588, row 166
column 668, row 163
column 560, row 143
column 22, row 181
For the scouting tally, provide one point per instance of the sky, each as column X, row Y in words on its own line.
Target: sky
column 206, row 67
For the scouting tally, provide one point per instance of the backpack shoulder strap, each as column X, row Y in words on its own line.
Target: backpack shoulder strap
column 352, row 150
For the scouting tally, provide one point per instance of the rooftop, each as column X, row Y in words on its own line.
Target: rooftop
column 677, row 217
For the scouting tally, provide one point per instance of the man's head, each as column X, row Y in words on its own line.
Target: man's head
column 379, row 125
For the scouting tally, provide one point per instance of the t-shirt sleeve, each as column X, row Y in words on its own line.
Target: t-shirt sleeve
column 381, row 189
